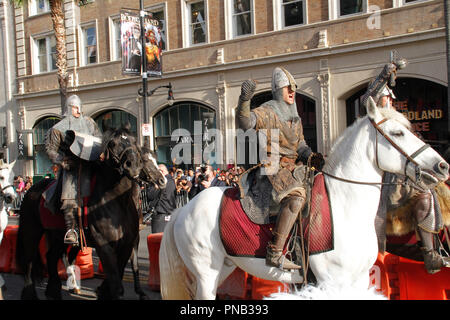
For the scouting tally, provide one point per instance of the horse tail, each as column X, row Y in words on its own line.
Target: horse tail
column 30, row 232
column 176, row 280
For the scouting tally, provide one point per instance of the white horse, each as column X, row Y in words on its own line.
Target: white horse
column 7, row 195
column 193, row 261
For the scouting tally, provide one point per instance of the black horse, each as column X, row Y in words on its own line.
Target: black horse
column 112, row 219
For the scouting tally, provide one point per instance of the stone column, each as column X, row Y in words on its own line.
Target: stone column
column 222, row 115
column 323, row 78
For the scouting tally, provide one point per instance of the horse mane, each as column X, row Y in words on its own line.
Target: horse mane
column 110, row 133
column 388, row 113
column 391, row 113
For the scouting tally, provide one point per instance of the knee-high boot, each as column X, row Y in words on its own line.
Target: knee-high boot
column 291, row 207
column 433, row 261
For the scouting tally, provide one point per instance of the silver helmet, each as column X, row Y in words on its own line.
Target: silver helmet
column 282, row 78
column 73, row 101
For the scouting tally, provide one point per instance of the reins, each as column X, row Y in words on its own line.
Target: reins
column 409, row 158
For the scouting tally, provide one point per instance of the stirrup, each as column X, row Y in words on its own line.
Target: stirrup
column 69, row 241
column 277, row 259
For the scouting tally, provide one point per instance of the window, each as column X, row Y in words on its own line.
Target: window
column 181, row 115
column 38, row 6
column 289, row 13
column 116, row 43
column 114, row 119
column 346, row 7
column 194, row 16
column 242, row 17
column 293, row 12
column 89, row 44
column 44, row 54
column 197, row 22
column 42, row 164
column 158, row 13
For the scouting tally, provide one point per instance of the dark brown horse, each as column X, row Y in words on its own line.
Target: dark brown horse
column 112, row 220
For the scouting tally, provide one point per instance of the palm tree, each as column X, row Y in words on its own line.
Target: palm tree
column 57, row 16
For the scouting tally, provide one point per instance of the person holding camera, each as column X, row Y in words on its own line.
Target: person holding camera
column 183, row 186
column 203, row 179
column 166, row 203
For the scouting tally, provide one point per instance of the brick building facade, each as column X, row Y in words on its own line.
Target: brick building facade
column 333, row 48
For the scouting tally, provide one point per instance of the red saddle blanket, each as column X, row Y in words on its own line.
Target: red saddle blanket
column 241, row 237
column 52, row 220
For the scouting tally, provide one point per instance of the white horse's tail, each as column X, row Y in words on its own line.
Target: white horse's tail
column 176, row 281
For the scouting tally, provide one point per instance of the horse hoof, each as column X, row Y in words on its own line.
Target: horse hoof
column 143, row 297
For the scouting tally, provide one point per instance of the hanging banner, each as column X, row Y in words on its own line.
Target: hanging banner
column 130, row 31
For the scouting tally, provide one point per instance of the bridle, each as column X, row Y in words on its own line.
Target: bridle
column 3, row 195
column 119, row 160
column 409, row 158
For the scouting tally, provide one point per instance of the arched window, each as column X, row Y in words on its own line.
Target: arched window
column 114, row 119
column 423, row 102
column 306, row 108
column 180, row 116
column 42, row 164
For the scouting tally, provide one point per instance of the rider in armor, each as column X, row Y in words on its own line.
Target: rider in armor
column 286, row 189
column 74, row 179
column 425, row 210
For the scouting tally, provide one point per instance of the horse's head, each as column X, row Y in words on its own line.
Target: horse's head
column 7, row 192
column 122, row 153
column 400, row 151
column 150, row 172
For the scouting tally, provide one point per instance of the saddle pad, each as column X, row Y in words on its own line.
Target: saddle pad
column 48, row 219
column 241, row 237
column 52, row 220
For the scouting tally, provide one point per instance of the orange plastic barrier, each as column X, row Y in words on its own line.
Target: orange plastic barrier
column 405, row 279
column 263, row 288
column 8, row 256
column 8, row 249
column 153, row 245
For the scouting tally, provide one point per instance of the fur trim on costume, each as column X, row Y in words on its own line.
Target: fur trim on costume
column 400, row 221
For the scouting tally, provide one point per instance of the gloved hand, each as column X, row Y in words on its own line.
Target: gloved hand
column 247, row 90
column 317, row 161
column 67, row 164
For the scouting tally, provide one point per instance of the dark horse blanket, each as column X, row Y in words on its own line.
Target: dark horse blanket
column 241, row 237
column 55, row 220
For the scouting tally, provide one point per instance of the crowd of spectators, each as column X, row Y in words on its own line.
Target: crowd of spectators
column 185, row 184
column 21, row 186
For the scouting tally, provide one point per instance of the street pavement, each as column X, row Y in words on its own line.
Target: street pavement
column 14, row 282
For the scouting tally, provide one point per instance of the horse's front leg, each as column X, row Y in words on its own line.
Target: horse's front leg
column 29, row 289
column 111, row 288
column 135, row 268
column 55, row 251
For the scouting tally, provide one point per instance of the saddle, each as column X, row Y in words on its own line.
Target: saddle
column 243, row 237
column 53, row 218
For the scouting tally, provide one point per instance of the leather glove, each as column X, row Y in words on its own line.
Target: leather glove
column 67, row 164
column 317, row 161
column 247, row 90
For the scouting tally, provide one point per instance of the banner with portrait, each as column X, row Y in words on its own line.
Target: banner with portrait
column 130, row 32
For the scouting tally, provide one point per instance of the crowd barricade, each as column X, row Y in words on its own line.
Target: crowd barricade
column 8, row 249
column 400, row 278
column 395, row 277
column 8, row 256
column 153, row 245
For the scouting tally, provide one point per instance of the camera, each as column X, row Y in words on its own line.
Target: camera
column 202, row 176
